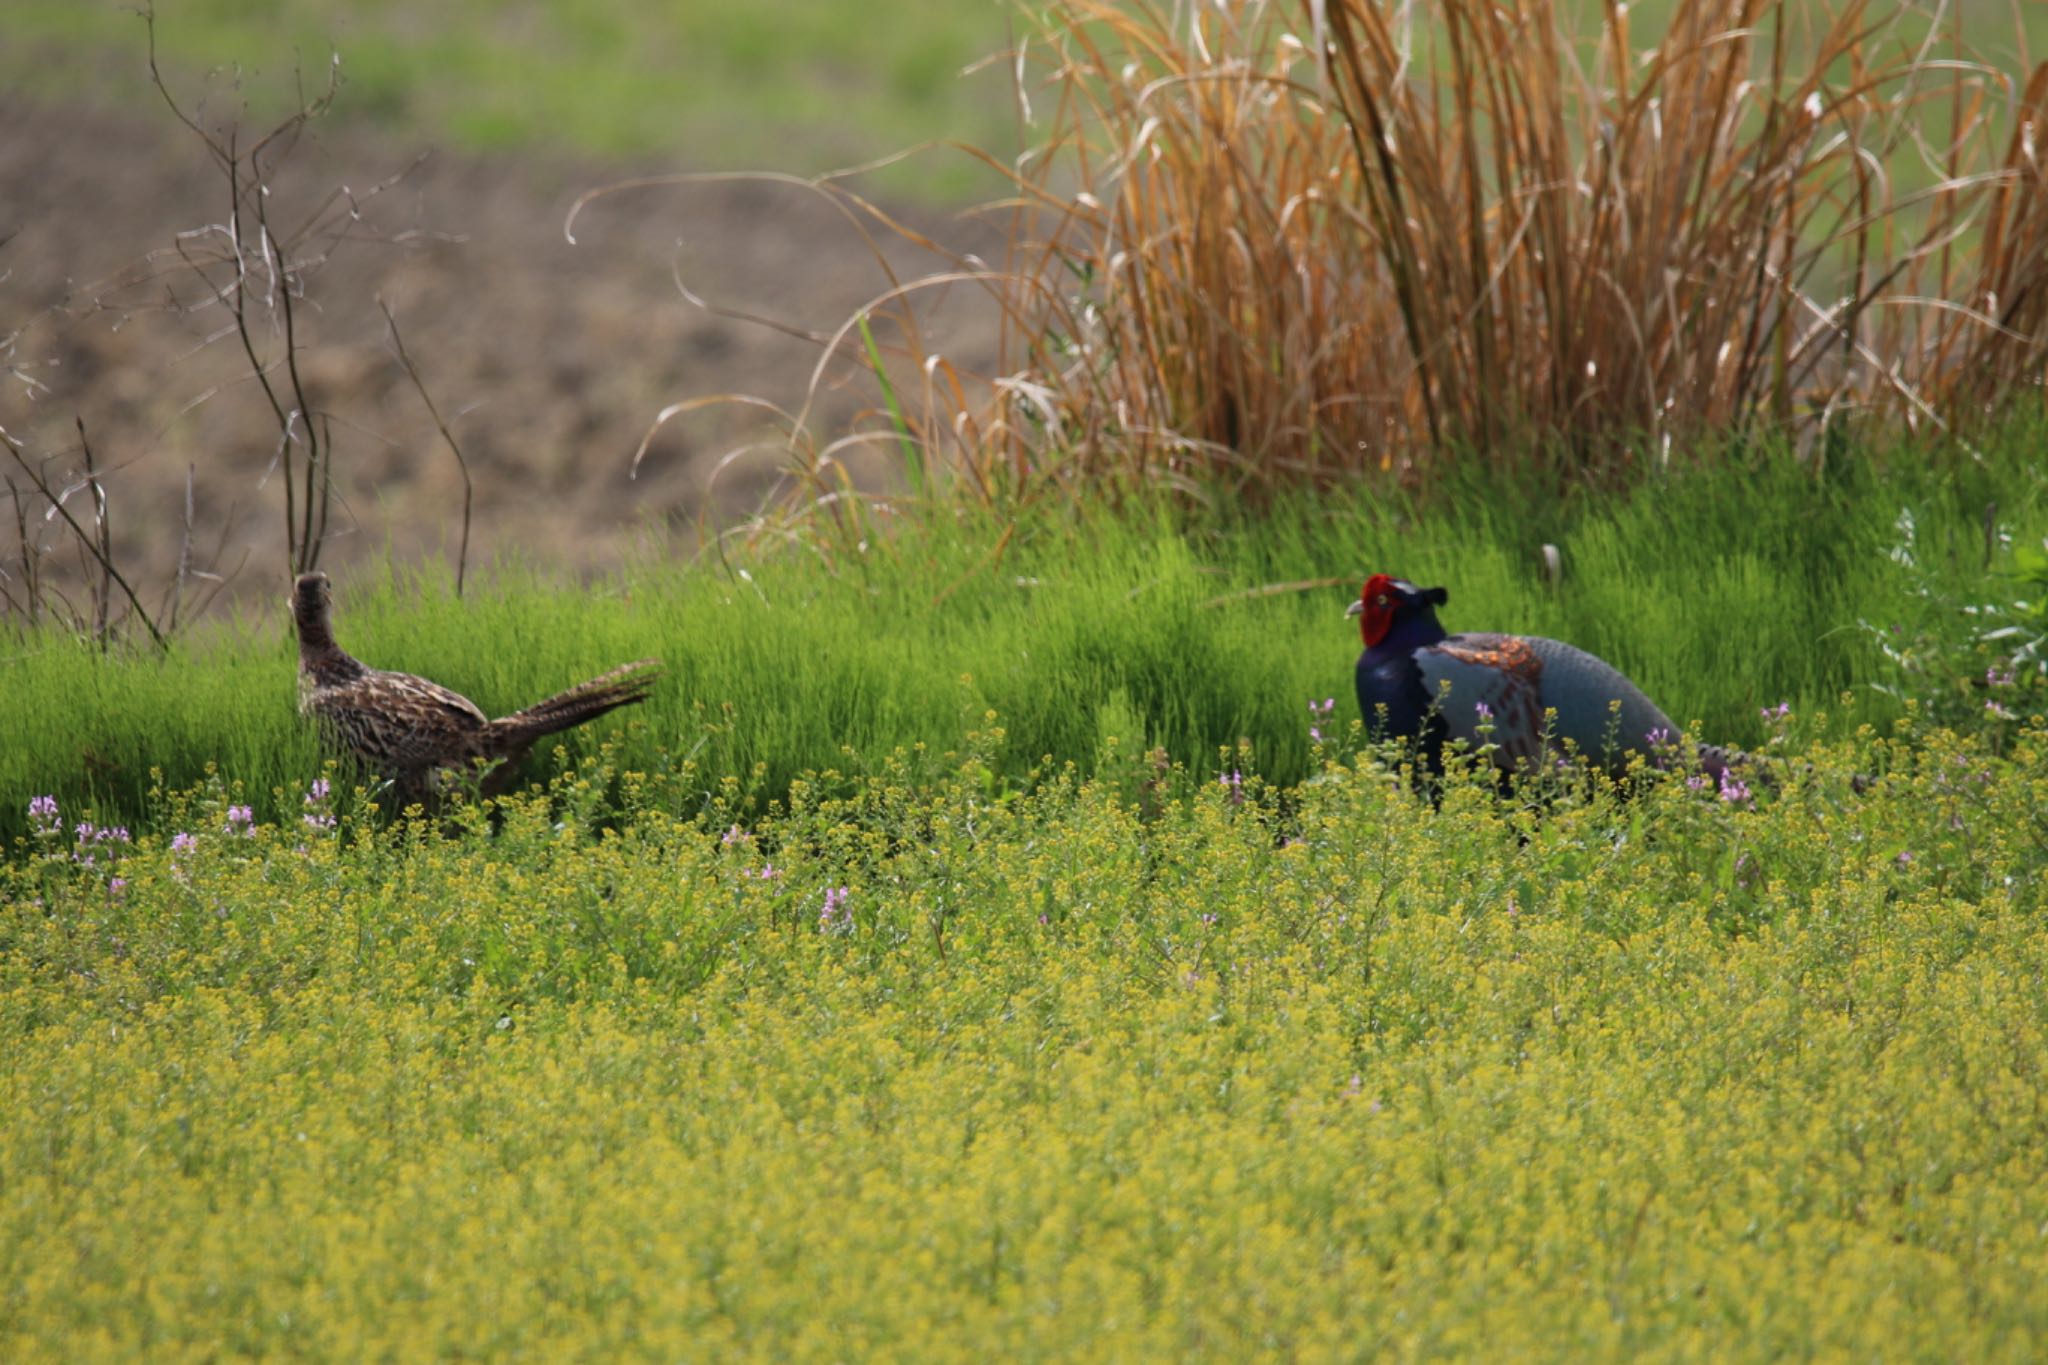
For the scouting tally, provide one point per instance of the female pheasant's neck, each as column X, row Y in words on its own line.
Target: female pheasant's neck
column 321, row 658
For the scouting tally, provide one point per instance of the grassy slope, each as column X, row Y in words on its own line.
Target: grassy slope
column 1718, row 591
column 1674, row 1080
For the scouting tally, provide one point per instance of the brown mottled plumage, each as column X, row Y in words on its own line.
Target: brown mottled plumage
column 420, row 734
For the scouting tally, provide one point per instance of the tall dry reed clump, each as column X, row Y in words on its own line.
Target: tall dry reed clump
column 1283, row 242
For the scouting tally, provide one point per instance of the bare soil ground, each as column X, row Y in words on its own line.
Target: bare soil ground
column 550, row 360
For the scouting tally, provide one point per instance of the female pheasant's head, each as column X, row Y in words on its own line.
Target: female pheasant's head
column 311, row 600
column 1386, row 601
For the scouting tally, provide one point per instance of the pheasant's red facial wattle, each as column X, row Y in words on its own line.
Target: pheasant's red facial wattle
column 1377, row 602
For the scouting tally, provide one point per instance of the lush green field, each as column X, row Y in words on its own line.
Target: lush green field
column 917, row 1070
column 938, row 1050
column 1720, row 590
column 972, row 950
column 800, row 87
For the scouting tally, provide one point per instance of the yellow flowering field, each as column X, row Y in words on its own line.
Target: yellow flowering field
column 917, row 1066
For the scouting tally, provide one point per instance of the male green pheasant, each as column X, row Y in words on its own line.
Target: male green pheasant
column 1528, row 695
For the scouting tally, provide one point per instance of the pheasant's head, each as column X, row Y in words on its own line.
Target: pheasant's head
column 311, row 600
column 1386, row 601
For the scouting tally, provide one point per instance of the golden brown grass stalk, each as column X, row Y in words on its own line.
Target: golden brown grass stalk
column 1295, row 241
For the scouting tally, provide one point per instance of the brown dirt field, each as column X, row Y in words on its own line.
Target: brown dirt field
column 550, row 360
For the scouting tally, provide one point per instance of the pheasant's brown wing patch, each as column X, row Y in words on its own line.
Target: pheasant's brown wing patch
column 1500, row 673
column 399, row 724
column 444, row 706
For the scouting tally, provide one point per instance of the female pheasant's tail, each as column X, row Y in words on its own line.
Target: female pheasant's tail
column 512, row 735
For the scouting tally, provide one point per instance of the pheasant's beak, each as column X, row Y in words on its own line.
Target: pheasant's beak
column 1357, row 608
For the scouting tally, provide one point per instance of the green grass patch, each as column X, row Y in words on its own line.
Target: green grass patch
column 803, row 87
column 913, row 1069
column 1721, row 589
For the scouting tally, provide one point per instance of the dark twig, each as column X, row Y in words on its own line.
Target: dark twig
column 85, row 538
column 316, row 462
column 468, row 489
column 103, row 543
column 316, row 508
column 31, row 605
column 305, row 501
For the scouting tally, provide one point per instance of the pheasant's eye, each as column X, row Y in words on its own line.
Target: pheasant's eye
column 1381, row 600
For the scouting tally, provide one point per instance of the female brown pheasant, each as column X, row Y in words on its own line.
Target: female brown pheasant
column 420, row 735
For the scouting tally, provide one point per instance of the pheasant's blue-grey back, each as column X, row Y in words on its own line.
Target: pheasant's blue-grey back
column 1517, row 685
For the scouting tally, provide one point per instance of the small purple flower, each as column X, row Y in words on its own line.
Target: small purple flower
column 1905, row 858
column 1733, row 789
column 42, row 815
column 734, row 835
column 1208, row 920
column 1483, row 711
column 317, row 816
column 837, row 916
column 182, row 842
column 1697, row 782
column 1658, row 737
column 768, row 872
column 1779, row 712
column 241, row 820
column 1323, row 707
column 1315, row 733
column 1356, row 1088
column 1993, row 678
column 116, row 885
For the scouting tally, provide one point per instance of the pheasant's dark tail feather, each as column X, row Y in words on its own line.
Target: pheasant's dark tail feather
column 623, row 686
column 1716, row 760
